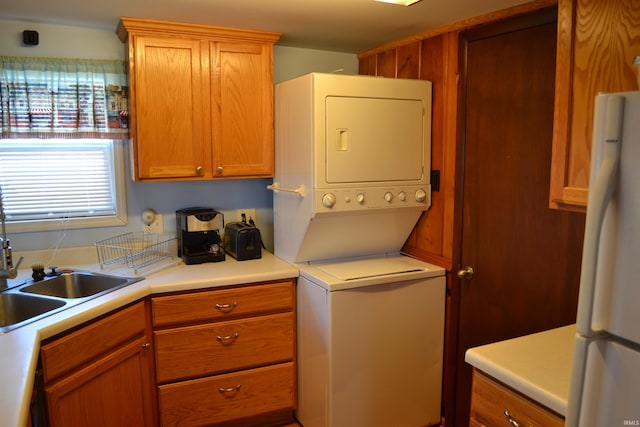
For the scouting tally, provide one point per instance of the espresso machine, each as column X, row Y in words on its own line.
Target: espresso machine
column 199, row 235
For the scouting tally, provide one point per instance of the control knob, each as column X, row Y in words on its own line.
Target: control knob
column 360, row 198
column 328, row 200
column 388, row 196
column 420, row 196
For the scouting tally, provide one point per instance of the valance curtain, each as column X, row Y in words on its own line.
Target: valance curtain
column 63, row 98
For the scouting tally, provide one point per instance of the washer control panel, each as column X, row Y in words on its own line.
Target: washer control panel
column 339, row 200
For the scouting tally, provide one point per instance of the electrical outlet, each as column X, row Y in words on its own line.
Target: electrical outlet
column 155, row 226
column 250, row 214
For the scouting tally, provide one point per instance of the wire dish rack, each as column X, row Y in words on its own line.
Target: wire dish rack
column 136, row 250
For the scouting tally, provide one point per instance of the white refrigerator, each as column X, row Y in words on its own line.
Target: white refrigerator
column 605, row 381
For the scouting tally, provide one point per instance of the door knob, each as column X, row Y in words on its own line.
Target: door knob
column 466, row 273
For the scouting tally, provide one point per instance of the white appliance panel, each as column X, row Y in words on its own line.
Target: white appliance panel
column 612, row 383
column 346, row 235
column 616, row 290
column 605, row 376
column 370, row 267
column 363, row 192
column 362, row 146
column 623, row 314
column 371, row 355
column 341, row 274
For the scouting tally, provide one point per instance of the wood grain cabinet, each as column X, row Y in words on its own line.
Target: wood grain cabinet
column 101, row 374
column 226, row 356
column 495, row 405
column 200, row 100
column 597, row 42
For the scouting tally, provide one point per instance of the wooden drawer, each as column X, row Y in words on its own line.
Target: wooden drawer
column 222, row 304
column 490, row 400
column 71, row 351
column 200, row 350
column 227, row 397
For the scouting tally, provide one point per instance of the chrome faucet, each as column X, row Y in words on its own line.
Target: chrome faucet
column 8, row 271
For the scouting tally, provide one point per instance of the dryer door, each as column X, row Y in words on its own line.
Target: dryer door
column 375, row 140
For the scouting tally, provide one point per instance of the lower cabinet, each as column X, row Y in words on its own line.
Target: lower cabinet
column 493, row 404
column 259, row 393
column 226, row 356
column 101, row 374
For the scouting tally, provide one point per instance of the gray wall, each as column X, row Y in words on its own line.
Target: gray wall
column 165, row 198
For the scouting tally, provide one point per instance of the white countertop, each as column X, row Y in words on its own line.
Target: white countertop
column 19, row 348
column 537, row 365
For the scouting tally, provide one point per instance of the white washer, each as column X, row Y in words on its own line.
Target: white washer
column 370, row 342
column 352, row 178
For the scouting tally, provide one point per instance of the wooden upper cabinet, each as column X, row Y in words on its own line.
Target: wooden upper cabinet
column 168, row 108
column 242, row 104
column 597, row 41
column 200, row 100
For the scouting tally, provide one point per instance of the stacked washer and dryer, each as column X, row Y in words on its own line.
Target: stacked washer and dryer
column 352, row 179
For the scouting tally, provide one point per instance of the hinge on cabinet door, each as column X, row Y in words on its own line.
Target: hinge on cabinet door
column 435, row 180
column 37, row 406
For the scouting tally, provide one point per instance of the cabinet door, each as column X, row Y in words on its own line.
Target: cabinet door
column 493, row 404
column 596, row 45
column 169, row 109
column 242, row 109
column 113, row 391
column 71, row 352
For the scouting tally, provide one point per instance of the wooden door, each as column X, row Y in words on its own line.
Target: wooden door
column 112, row 391
column 242, row 108
column 170, row 112
column 525, row 257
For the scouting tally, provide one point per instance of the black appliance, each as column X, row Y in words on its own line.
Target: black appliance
column 242, row 241
column 199, row 235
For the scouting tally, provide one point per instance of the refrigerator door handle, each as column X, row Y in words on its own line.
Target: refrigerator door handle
column 600, row 192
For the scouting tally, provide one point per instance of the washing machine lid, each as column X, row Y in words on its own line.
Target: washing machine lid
column 358, row 272
column 371, row 267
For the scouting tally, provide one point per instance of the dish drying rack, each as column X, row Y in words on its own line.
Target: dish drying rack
column 135, row 250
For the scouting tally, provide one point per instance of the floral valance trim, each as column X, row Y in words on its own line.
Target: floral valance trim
column 63, row 98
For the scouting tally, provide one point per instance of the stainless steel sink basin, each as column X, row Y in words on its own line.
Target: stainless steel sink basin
column 17, row 308
column 32, row 301
column 78, row 285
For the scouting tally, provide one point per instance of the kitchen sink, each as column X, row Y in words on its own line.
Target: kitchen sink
column 17, row 308
column 35, row 300
column 78, row 285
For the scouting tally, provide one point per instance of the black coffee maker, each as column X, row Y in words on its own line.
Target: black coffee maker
column 199, row 235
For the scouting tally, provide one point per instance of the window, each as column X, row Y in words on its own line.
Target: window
column 57, row 183
column 61, row 153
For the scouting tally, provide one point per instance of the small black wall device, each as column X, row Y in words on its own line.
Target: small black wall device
column 30, row 38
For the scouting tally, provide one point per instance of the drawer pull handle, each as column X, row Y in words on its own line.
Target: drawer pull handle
column 227, row 307
column 228, row 337
column 230, row 389
column 513, row 422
